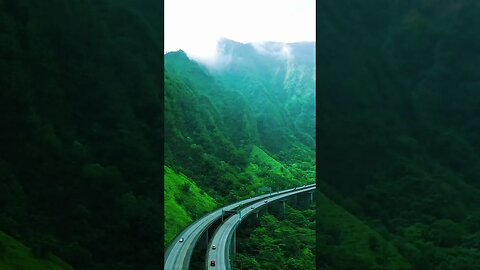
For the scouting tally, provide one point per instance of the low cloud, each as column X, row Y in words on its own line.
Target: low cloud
column 278, row 49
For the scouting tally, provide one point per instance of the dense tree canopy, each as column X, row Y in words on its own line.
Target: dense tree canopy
column 398, row 123
column 81, row 101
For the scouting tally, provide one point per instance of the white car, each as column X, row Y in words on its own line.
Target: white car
column 214, row 247
column 181, row 240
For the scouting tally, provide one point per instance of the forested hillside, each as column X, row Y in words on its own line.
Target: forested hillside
column 14, row 255
column 80, row 101
column 216, row 135
column 399, row 88
column 278, row 81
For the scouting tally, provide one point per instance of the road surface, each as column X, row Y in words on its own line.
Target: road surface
column 223, row 235
column 177, row 256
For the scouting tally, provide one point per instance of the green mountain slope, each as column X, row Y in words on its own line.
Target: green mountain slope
column 196, row 141
column 277, row 80
column 343, row 241
column 14, row 255
column 267, row 171
column 184, row 203
column 398, row 113
column 210, row 125
column 80, row 95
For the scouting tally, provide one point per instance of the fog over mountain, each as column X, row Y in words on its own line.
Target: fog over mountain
column 277, row 79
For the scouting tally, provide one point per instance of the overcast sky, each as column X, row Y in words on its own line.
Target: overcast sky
column 195, row 25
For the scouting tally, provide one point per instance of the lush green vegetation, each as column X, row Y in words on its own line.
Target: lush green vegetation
column 398, row 126
column 284, row 242
column 267, row 171
column 14, row 255
column 184, row 203
column 80, row 99
column 344, row 241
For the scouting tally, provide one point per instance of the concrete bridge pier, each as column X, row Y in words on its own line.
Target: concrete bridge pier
column 203, row 242
column 284, row 203
column 311, row 197
column 234, row 243
column 206, row 239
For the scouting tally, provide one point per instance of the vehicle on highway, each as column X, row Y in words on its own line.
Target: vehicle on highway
column 212, row 263
column 252, row 207
column 214, row 247
column 266, row 201
column 181, row 240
